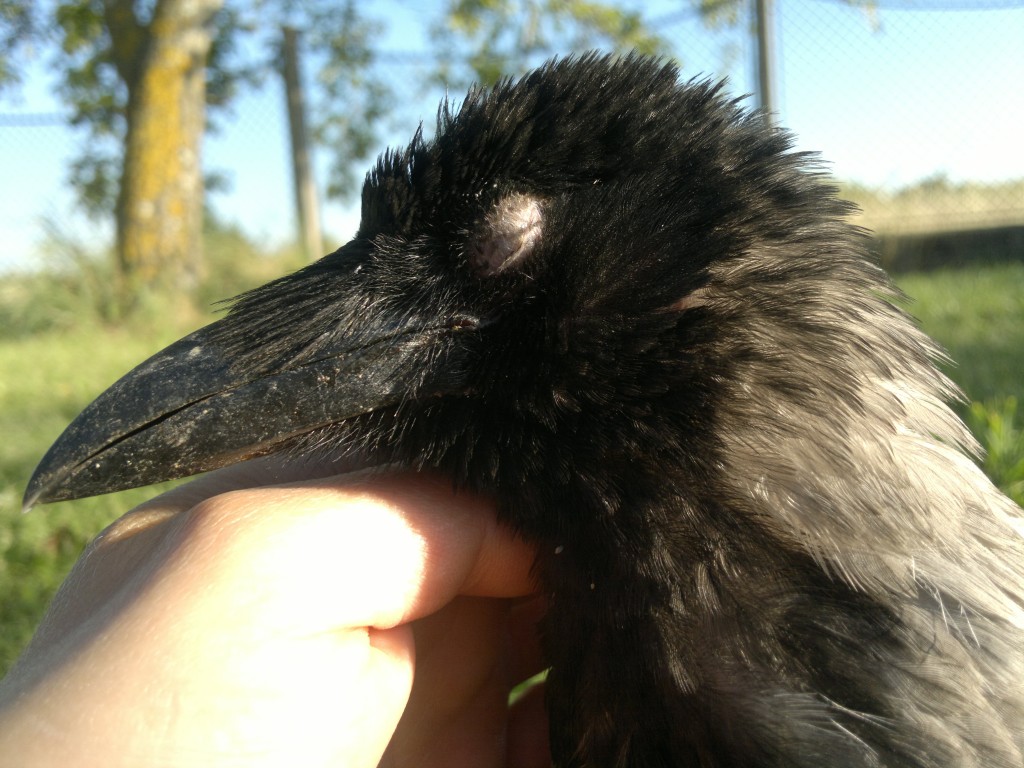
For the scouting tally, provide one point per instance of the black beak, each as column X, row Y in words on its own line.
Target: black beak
column 310, row 350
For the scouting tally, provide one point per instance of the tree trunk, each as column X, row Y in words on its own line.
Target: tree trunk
column 306, row 207
column 160, row 202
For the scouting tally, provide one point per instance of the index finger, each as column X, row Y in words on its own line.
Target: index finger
column 384, row 549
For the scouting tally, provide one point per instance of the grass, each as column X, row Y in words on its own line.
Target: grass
column 46, row 380
column 978, row 316
column 49, row 372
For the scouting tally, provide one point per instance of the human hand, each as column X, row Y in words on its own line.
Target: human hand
column 231, row 622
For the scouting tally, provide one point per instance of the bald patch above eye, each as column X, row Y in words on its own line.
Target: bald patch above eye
column 507, row 236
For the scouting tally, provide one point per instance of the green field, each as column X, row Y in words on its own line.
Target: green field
column 48, row 376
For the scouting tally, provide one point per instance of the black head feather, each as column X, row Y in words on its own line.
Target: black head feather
column 627, row 309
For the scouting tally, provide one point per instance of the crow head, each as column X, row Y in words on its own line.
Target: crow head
column 628, row 310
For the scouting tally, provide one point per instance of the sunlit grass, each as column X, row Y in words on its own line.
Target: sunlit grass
column 45, row 380
column 978, row 316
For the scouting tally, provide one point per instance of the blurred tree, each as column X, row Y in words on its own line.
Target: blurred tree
column 139, row 77
column 17, row 28
column 508, row 36
column 161, row 64
column 145, row 78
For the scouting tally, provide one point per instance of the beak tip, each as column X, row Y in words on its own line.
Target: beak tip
column 48, row 483
column 33, row 496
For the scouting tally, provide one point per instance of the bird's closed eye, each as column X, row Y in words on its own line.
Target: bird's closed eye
column 507, row 237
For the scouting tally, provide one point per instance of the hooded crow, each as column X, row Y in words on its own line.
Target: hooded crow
column 626, row 308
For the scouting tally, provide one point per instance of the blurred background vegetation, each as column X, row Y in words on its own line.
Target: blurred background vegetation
column 80, row 310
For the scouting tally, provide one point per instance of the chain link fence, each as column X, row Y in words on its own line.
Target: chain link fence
column 916, row 106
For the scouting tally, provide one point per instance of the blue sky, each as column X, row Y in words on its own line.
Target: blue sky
column 887, row 101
